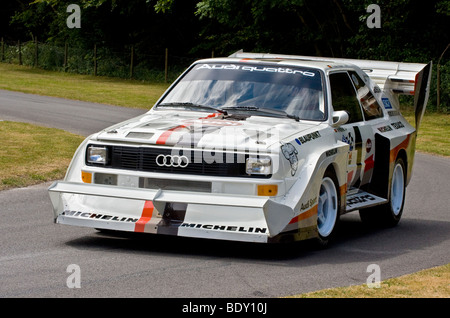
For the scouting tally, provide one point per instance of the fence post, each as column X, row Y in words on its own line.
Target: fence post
column 36, row 52
column 438, row 102
column 3, row 50
column 20, row 53
column 95, row 59
column 166, row 66
column 66, row 51
column 132, row 62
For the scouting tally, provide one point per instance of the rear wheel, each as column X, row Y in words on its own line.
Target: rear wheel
column 327, row 209
column 389, row 214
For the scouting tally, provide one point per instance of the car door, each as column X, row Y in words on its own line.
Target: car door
column 373, row 115
column 347, row 92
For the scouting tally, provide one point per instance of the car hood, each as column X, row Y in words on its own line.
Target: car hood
column 207, row 131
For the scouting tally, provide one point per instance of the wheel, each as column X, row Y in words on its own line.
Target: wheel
column 328, row 209
column 389, row 214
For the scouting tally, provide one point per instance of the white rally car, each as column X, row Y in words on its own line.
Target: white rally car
column 253, row 147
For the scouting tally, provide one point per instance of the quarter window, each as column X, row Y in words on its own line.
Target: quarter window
column 368, row 102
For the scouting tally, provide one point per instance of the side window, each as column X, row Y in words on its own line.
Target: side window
column 369, row 103
column 343, row 96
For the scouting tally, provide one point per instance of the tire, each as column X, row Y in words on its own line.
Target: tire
column 328, row 209
column 390, row 213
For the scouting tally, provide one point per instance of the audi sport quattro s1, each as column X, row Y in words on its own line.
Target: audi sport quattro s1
column 253, row 147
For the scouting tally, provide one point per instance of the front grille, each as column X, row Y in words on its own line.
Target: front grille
column 200, row 163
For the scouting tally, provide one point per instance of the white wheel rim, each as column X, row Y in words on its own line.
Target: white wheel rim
column 397, row 188
column 327, row 207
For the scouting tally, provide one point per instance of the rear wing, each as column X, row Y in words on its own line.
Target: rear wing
column 394, row 78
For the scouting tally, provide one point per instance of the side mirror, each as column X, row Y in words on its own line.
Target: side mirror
column 340, row 117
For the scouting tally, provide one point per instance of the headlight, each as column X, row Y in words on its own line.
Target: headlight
column 256, row 165
column 97, row 155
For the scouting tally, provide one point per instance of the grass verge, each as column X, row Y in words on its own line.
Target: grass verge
column 97, row 89
column 429, row 283
column 30, row 154
column 434, row 133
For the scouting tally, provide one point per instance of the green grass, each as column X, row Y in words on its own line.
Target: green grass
column 429, row 283
column 97, row 89
column 31, row 154
column 434, row 133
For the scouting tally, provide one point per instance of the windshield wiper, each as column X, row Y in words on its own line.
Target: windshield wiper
column 188, row 104
column 264, row 110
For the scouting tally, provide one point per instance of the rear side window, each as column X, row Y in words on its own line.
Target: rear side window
column 368, row 102
column 343, row 96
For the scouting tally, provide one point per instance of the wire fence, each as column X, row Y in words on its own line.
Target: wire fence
column 98, row 61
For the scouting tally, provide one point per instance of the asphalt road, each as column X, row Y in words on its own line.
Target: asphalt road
column 35, row 253
column 74, row 116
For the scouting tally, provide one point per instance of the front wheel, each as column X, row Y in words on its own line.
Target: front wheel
column 389, row 214
column 327, row 209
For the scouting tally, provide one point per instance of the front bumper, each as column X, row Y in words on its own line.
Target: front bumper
column 182, row 213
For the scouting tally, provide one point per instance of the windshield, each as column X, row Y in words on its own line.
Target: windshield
column 295, row 92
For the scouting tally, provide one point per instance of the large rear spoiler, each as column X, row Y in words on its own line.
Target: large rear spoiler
column 394, row 78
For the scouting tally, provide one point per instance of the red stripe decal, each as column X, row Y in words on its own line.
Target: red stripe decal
column 145, row 217
column 165, row 135
column 309, row 213
column 369, row 163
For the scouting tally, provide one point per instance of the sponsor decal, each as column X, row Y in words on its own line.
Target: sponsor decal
column 140, row 222
column 226, row 228
column 385, row 128
column 308, row 137
column 349, row 140
column 386, row 103
column 331, row 152
column 249, row 68
column 97, row 216
column 393, row 113
column 398, row 125
column 360, row 199
column 308, row 204
column 340, row 129
column 290, row 153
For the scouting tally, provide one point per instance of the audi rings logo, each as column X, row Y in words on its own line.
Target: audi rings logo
column 172, row 161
